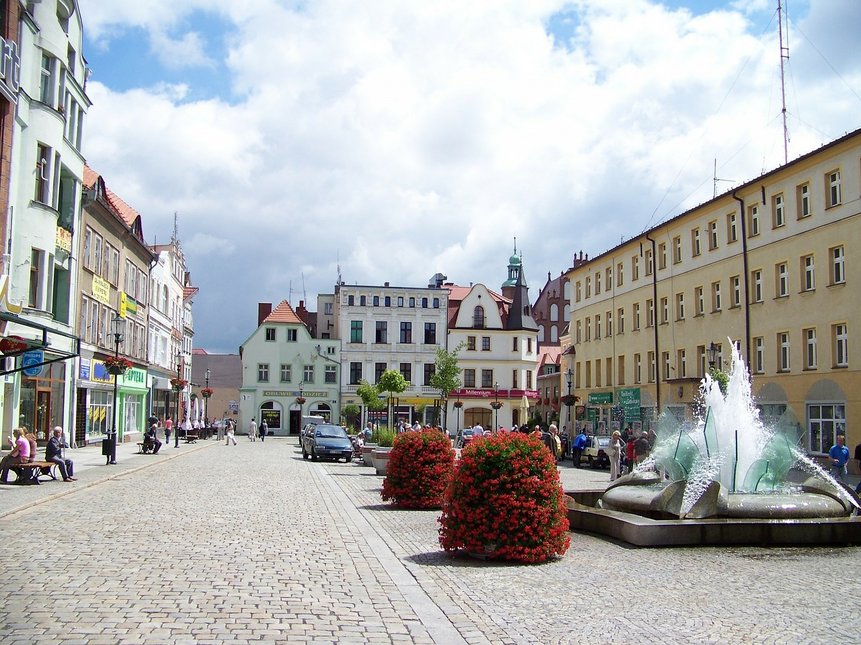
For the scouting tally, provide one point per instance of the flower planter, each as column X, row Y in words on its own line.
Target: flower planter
column 381, row 459
column 367, row 457
column 117, row 371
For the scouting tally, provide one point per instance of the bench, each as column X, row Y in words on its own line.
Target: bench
column 145, row 447
column 30, row 472
column 191, row 438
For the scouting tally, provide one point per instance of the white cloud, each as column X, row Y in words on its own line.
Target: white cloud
column 410, row 138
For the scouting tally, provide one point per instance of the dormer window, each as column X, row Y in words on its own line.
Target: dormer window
column 478, row 317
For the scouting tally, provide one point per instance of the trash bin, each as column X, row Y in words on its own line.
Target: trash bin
column 109, row 447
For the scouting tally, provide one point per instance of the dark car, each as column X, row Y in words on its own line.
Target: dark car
column 327, row 441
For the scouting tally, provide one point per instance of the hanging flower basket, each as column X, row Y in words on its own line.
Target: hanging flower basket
column 178, row 384
column 117, row 365
column 300, row 400
column 206, row 392
column 496, row 405
column 569, row 400
column 458, row 404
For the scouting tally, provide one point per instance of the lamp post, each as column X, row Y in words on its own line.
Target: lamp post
column 712, row 353
column 496, row 405
column 206, row 399
column 118, row 328
column 178, row 391
column 569, row 378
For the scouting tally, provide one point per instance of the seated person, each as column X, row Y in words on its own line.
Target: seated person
column 54, row 453
column 151, row 439
column 20, row 453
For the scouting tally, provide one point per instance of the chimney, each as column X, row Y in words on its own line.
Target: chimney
column 263, row 310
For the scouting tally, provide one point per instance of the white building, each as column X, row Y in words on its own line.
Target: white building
column 397, row 328
column 287, row 373
column 44, row 214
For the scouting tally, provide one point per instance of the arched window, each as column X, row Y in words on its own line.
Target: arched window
column 554, row 312
column 554, row 334
column 164, row 309
column 540, row 333
column 478, row 317
column 566, row 290
column 566, row 313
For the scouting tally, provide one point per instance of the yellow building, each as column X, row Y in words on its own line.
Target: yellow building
column 768, row 265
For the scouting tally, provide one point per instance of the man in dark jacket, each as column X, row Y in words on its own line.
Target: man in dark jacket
column 642, row 447
column 54, row 453
column 151, row 439
column 578, row 446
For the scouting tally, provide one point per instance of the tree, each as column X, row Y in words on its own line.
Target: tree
column 391, row 382
column 353, row 414
column 446, row 376
column 370, row 395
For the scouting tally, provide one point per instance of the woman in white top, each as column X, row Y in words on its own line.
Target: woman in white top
column 614, row 452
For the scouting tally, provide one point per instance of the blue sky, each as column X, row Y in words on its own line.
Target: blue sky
column 396, row 140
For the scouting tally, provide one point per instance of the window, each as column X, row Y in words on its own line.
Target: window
column 781, row 272
column 662, row 255
column 588, row 287
column 486, row 378
column 286, row 373
column 263, row 372
column 650, row 313
column 485, row 343
column 695, row 242
column 665, row 365
column 424, row 303
column 478, row 317
column 677, row 250
column 756, row 279
column 840, row 342
column 716, row 300
column 329, row 307
column 292, row 335
column 838, row 273
column 37, row 269
column 387, row 301
column 412, row 302
column 620, row 321
column 43, row 178
column 430, row 333
column 699, row 301
column 379, row 370
column 635, row 267
column 436, row 303
column 809, row 336
column 808, row 271
column 758, row 355
column 713, row 236
column 638, row 369
column 400, row 301
column 597, row 326
column 681, row 364
column 355, row 372
column 514, row 344
column 753, row 220
column 608, row 279
column 381, row 332
column 406, row 370
column 609, row 318
column 469, row 377
column 470, row 343
column 651, row 367
column 735, row 290
column 825, row 422
column 514, row 379
column 270, row 334
column 355, row 331
column 665, row 310
column 351, row 300
column 528, row 379
column 636, row 326
column 778, row 213
column 680, row 306
column 331, row 374
column 429, row 371
column 649, row 262
column 577, row 290
column 578, row 335
column 833, row 185
column 802, row 196
column 783, row 352
column 406, row 332
column 308, row 374
column 597, row 283
column 46, row 86
column 588, row 328
column 731, row 227
column 620, row 274
column 363, row 300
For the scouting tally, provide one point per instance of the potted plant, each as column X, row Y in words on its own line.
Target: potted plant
column 178, row 383
column 505, row 501
column 206, row 392
column 300, row 400
column 117, row 365
column 419, row 469
column 380, row 454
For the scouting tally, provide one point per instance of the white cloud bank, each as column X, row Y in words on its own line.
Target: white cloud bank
column 406, row 138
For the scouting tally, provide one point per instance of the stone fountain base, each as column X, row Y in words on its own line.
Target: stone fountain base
column 583, row 515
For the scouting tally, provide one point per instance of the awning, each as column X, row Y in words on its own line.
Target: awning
column 39, row 351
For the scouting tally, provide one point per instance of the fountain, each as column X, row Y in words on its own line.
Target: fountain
column 724, row 479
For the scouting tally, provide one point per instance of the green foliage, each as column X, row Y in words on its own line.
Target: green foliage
column 446, row 376
column 353, row 414
column 420, row 468
column 392, row 382
column 370, row 396
column 383, row 437
column 722, row 379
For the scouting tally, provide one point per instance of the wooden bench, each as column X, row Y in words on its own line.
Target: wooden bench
column 30, row 472
column 145, row 447
column 191, row 438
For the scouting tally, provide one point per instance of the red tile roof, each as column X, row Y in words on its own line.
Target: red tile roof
column 283, row 313
column 188, row 292
column 128, row 214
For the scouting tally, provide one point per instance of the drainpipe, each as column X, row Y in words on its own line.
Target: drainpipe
column 745, row 275
column 655, row 326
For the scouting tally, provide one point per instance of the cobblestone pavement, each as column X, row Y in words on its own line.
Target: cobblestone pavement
column 252, row 544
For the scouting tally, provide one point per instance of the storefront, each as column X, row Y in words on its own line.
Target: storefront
column 96, row 402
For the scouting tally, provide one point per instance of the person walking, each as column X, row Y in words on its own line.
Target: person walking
column 168, row 427
column 577, row 447
column 54, row 453
column 252, row 430
column 839, row 455
column 220, row 431
column 228, row 430
column 614, row 452
column 264, row 428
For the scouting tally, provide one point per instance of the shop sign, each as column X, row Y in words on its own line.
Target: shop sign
column 629, row 401
column 127, row 305
column 84, row 369
column 289, row 393
column 233, row 406
column 135, row 376
column 32, row 362
column 63, row 239
column 600, row 398
column 10, row 70
column 101, row 290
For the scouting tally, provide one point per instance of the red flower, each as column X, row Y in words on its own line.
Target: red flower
column 419, row 470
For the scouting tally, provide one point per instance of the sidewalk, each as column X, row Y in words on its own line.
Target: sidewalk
column 90, row 469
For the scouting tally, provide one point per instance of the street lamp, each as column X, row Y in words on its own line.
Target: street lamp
column 496, row 405
column 178, row 391
column 118, row 328
column 712, row 353
column 569, row 378
column 206, row 399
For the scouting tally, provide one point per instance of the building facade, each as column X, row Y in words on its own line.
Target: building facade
column 768, row 267
column 287, row 373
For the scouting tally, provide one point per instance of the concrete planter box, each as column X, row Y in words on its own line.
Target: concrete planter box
column 381, row 460
column 367, row 449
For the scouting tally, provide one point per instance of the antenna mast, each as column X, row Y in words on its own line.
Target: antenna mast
column 784, row 55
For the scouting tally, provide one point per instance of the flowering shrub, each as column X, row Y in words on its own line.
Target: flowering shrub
column 178, row 383
column 419, row 471
column 206, row 392
column 505, row 501
column 117, row 364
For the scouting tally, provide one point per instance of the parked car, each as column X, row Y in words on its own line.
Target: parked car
column 595, row 452
column 326, row 441
column 465, row 436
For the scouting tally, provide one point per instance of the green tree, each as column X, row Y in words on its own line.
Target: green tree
column 391, row 382
column 353, row 415
column 370, row 395
column 446, row 376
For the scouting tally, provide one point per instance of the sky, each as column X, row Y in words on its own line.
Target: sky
column 388, row 140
